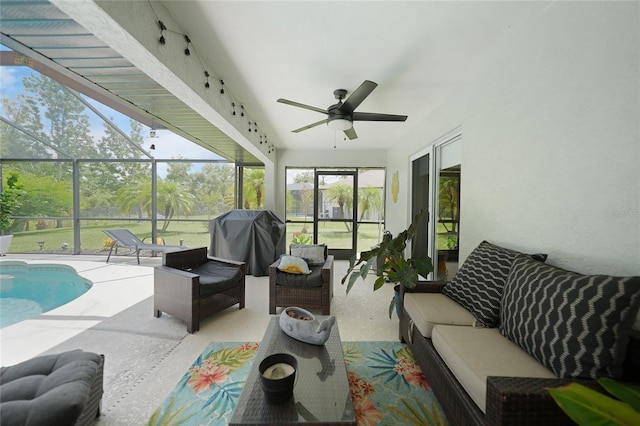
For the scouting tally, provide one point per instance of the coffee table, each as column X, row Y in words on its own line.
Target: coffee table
column 321, row 395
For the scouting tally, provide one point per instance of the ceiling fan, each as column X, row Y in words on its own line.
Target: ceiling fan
column 342, row 115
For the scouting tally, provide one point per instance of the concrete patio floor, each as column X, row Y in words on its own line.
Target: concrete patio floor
column 145, row 356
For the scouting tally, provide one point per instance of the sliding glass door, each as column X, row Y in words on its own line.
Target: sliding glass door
column 436, row 175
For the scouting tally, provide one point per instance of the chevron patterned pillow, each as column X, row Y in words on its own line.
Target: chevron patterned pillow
column 478, row 284
column 576, row 325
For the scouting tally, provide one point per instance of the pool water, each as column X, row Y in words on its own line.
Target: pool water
column 28, row 290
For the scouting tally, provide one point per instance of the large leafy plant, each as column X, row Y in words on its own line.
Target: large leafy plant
column 9, row 201
column 395, row 267
column 586, row 406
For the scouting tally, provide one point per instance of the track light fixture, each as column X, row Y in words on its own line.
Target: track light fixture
column 186, row 50
column 161, row 40
column 152, row 147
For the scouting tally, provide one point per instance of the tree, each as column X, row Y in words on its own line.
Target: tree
column 304, row 177
column 214, row 185
column 178, row 172
column 67, row 125
column 101, row 180
column 306, row 199
column 342, row 194
column 135, row 198
column 15, row 143
column 173, row 197
column 448, row 202
column 253, row 186
column 9, row 202
column 369, row 200
column 47, row 197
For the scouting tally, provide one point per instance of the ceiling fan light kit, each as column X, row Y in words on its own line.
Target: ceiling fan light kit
column 339, row 124
column 340, row 117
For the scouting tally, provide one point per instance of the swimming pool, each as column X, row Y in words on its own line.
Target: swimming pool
column 28, row 290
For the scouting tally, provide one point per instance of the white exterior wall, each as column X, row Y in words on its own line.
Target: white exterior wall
column 551, row 140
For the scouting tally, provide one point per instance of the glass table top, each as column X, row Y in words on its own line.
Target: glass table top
column 321, row 394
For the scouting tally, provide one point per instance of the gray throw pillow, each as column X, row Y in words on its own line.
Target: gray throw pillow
column 576, row 325
column 313, row 254
column 478, row 284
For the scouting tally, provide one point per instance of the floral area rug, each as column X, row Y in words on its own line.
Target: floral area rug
column 387, row 386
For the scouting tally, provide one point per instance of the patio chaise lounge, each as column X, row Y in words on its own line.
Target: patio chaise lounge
column 125, row 238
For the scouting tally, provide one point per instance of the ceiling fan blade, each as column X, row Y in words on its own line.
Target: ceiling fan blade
column 310, row 126
column 299, row 105
column 358, row 96
column 372, row 116
column 351, row 133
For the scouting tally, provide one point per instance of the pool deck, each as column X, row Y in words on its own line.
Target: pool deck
column 117, row 285
column 146, row 356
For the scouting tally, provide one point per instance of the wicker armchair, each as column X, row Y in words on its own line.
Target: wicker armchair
column 283, row 292
column 193, row 286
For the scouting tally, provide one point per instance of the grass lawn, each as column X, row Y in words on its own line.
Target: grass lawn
column 93, row 240
column 192, row 234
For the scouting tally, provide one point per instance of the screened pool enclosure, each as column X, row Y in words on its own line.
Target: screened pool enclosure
column 84, row 167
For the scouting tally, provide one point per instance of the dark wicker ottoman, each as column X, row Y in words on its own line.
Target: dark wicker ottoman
column 60, row 389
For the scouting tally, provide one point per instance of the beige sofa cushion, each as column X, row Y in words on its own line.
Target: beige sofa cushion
column 473, row 354
column 428, row 309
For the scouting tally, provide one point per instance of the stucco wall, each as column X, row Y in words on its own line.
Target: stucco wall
column 551, row 140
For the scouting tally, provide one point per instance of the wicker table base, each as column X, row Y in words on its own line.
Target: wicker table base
column 321, row 395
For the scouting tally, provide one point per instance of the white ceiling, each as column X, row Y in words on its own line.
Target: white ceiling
column 418, row 52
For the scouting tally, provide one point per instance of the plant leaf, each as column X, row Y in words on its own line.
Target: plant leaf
column 588, row 407
column 379, row 282
column 423, row 265
column 352, row 280
column 623, row 391
column 392, row 307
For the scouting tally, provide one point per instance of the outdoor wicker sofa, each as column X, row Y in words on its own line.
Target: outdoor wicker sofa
column 511, row 399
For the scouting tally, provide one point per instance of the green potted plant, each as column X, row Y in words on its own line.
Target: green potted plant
column 9, row 203
column 395, row 268
column 586, row 406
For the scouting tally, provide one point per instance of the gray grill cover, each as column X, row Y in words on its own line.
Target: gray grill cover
column 256, row 237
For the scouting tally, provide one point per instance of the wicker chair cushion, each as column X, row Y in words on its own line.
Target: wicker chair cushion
column 479, row 282
column 47, row 390
column 215, row 277
column 576, row 325
column 314, row 279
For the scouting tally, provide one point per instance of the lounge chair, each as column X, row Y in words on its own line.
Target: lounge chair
column 125, row 238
